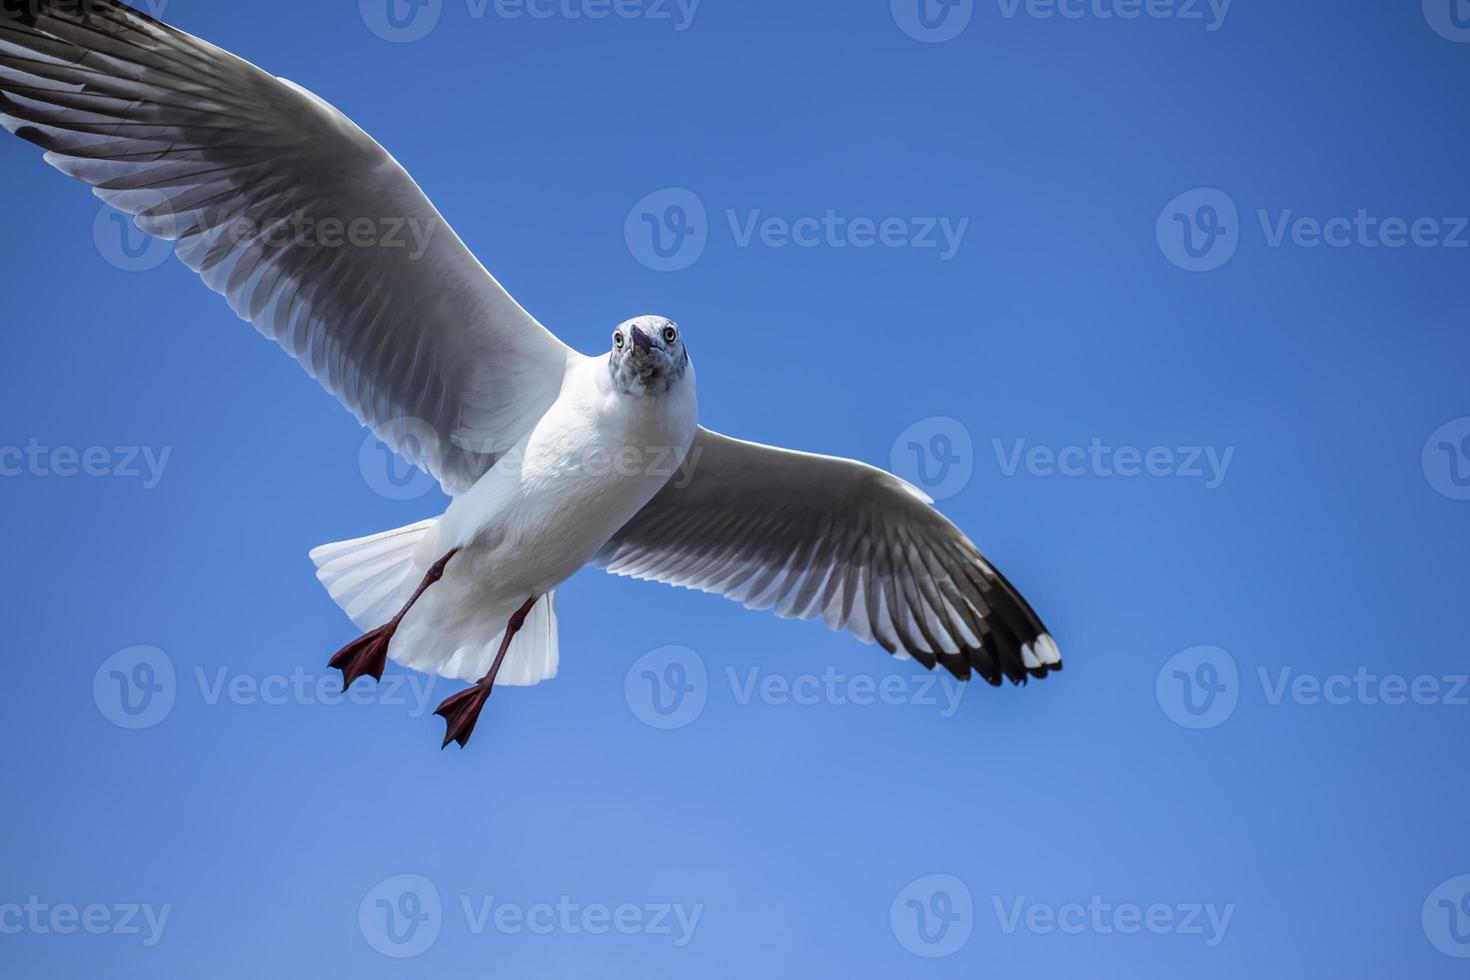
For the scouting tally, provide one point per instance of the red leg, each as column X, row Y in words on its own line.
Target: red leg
column 461, row 711
column 367, row 655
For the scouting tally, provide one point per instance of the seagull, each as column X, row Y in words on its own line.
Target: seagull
column 553, row 460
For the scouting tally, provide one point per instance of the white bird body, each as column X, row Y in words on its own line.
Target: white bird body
column 539, row 515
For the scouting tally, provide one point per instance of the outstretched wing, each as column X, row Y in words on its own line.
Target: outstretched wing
column 818, row 537
column 306, row 225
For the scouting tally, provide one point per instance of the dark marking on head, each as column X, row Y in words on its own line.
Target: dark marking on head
column 644, row 361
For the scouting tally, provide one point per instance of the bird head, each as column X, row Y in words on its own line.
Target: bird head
column 648, row 356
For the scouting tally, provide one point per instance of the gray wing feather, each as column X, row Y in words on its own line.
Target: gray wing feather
column 816, row 537
column 240, row 169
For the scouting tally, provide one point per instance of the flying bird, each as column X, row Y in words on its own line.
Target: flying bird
column 553, row 460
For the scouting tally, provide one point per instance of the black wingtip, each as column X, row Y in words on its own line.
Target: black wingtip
column 32, row 135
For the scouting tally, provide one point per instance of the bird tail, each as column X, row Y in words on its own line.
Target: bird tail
column 372, row 578
column 467, row 655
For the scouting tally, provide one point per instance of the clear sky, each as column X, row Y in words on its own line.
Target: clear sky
column 1169, row 310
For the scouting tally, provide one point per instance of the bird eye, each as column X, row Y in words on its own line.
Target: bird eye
column 618, row 340
column 670, row 335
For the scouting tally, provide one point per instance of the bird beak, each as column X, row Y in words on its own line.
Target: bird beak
column 641, row 341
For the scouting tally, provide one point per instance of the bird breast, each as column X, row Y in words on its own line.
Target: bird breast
column 586, row 468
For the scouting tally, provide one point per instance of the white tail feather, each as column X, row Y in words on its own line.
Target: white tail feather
column 368, row 576
column 372, row 578
column 533, row 656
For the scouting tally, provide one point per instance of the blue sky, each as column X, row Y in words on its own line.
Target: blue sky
column 1168, row 310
